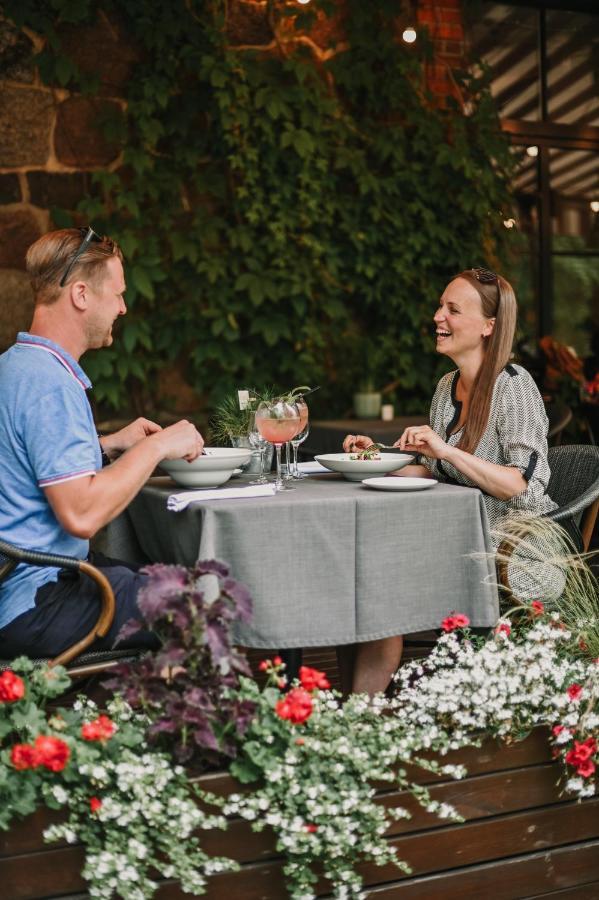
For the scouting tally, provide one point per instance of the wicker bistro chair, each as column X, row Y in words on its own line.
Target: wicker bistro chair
column 87, row 664
column 574, row 486
column 559, row 418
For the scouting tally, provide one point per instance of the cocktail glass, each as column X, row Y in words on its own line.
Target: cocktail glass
column 278, row 421
column 258, row 443
column 301, row 435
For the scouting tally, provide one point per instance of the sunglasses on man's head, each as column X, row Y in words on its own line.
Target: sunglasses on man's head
column 88, row 236
column 485, row 276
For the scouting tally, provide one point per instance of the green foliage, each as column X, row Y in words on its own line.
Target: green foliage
column 269, row 207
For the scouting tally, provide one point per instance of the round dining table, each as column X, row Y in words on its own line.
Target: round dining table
column 330, row 562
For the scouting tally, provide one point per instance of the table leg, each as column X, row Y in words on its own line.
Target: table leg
column 293, row 660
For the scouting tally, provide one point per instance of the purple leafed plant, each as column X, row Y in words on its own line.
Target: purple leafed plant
column 187, row 687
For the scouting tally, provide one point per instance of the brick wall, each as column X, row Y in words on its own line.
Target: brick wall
column 443, row 19
column 49, row 137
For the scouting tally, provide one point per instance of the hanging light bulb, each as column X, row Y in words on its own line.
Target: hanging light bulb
column 409, row 35
column 509, row 223
column 532, row 151
column 303, row 2
column 595, row 205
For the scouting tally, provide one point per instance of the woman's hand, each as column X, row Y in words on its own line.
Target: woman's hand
column 422, row 439
column 354, row 442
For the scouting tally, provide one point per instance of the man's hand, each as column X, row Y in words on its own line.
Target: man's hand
column 115, row 444
column 180, row 441
column 354, row 442
column 84, row 505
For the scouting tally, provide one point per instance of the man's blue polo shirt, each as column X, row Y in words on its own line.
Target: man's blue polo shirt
column 47, row 436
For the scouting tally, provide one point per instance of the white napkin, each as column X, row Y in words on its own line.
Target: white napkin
column 177, row 502
column 312, row 468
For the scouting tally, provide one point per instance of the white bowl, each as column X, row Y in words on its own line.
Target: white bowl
column 209, row 470
column 358, row 469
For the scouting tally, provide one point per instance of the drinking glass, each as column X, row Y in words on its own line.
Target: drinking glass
column 278, row 421
column 258, row 443
column 301, row 435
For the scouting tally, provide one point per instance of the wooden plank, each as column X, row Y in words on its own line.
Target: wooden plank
column 568, row 868
column 580, row 892
column 492, row 756
column 478, row 797
column 481, row 797
column 441, row 850
column 489, row 839
column 475, row 798
column 51, row 873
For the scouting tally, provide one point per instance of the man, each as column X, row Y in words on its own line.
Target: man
column 54, row 492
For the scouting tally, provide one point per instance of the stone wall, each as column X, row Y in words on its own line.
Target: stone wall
column 50, row 141
column 49, row 145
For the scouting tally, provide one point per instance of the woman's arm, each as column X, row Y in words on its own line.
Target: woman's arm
column 503, row 482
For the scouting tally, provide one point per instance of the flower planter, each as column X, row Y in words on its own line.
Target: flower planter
column 519, row 834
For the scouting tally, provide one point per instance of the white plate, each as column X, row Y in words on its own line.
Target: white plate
column 359, row 469
column 397, row 483
column 209, row 470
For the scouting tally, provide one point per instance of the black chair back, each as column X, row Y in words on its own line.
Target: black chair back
column 574, row 485
column 574, row 471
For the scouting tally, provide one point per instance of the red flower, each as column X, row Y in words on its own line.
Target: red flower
column 537, row 607
column 586, row 768
column 311, row 679
column 52, row 753
column 300, row 742
column 24, row 756
column 264, row 665
column 296, row 706
column 101, row 729
column 574, row 691
column 11, row 687
column 311, row 828
column 557, row 729
column 581, row 752
column 95, row 804
column 504, row 628
column 277, row 661
column 456, row 620
column 583, row 645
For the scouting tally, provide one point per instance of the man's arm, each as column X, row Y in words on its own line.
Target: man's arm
column 84, row 505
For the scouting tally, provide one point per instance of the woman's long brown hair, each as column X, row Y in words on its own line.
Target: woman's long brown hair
column 498, row 302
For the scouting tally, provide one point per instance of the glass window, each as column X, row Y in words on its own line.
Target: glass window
column 572, row 68
column 576, row 300
column 574, row 184
column 506, row 39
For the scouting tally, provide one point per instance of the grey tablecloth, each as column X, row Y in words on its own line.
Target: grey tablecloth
column 331, row 562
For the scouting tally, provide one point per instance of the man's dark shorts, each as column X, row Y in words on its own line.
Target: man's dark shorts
column 67, row 609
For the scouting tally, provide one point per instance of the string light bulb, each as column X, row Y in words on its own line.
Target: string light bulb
column 532, row 151
column 303, row 2
column 409, row 35
column 595, row 205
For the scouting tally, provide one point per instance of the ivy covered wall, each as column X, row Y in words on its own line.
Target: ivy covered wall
column 292, row 186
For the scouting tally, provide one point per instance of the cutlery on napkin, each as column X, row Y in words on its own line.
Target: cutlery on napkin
column 177, row 502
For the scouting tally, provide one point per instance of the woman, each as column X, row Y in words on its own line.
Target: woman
column 488, row 427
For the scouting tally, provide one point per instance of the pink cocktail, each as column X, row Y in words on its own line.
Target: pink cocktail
column 279, row 431
column 303, row 410
column 278, row 422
